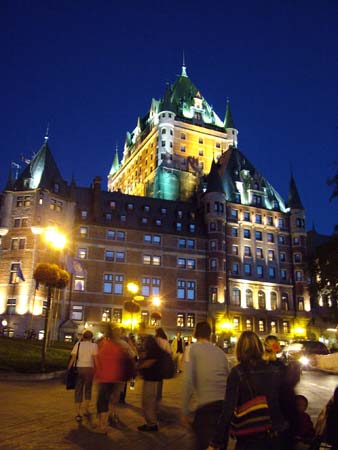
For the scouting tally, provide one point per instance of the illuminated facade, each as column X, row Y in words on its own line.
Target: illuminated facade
column 186, row 216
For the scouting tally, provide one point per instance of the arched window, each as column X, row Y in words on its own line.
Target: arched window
column 273, row 300
column 249, row 298
column 261, row 300
column 236, row 297
column 285, row 301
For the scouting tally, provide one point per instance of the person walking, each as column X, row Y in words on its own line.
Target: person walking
column 177, row 348
column 109, row 374
column 204, row 378
column 85, row 351
column 250, row 378
column 149, row 366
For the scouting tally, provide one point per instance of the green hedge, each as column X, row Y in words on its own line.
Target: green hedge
column 23, row 355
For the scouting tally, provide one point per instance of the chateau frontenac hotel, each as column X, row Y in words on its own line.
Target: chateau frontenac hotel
column 185, row 216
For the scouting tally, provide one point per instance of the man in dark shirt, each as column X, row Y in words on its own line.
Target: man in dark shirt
column 150, row 370
column 177, row 350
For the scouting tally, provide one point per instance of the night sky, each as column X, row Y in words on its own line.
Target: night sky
column 89, row 68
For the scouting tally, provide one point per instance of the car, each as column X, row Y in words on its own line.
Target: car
column 304, row 352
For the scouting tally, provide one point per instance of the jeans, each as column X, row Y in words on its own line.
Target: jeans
column 84, row 381
column 204, row 424
column 150, row 401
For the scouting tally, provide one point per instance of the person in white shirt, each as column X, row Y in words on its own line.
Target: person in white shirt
column 86, row 350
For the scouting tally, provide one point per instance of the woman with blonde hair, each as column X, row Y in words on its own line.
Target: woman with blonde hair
column 271, row 348
column 250, row 378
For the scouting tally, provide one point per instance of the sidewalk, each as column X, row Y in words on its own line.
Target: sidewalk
column 40, row 416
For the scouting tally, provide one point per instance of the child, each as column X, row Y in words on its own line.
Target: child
column 305, row 432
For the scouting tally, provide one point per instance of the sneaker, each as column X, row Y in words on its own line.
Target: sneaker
column 146, row 427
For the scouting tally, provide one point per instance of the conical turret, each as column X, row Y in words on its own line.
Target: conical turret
column 294, row 200
column 116, row 164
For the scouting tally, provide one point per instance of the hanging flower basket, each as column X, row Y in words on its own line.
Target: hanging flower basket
column 131, row 307
column 156, row 315
column 47, row 274
column 63, row 279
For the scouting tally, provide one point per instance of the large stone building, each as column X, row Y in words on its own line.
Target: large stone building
column 186, row 216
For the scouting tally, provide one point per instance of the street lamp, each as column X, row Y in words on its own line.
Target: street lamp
column 52, row 276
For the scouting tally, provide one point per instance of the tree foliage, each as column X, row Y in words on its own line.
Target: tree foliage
column 326, row 271
column 132, row 307
column 51, row 275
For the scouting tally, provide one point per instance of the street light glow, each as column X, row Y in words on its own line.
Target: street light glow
column 132, row 287
column 55, row 238
column 156, row 301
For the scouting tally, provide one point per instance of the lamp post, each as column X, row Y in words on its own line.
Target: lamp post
column 131, row 305
column 52, row 276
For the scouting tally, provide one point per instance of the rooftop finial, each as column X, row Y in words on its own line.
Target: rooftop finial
column 47, row 134
column 184, row 69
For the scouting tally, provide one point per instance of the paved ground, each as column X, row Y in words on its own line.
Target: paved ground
column 39, row 415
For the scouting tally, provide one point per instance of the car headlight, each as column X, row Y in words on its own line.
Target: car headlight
column 304, row 360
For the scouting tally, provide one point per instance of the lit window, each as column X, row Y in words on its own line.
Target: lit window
column 283, row 274
column 213, row 292
column 234, row 232
column 247, row 269
column 156, row 260
column 191, row 264
column 147, row 259
column 235, row 268
column 236, row 297
column 120, row 257
column 247, row 250
column 282, row 257
column 271, row 255
column 270, row 237
column 249, row 298
column 281, row 239
column 286, row 327
column 79, row 284
column 259, row 253
column 180, row 320
column 259, row 235
column 192, row 228
column 145, row 317
column 261, row 300
column 190, row 243
column 117, row 315
column 259, row 270
column 213, row 264
column 11, row 306
column 77, row 312
column 248, row 324
column 299, row 275
column 273, row 301
column 83, row 231
column 246, row 216
column 110, row 234
column 109, row 255
column 108, row 283
column 82, row 253
column 281, row 223
column 273, row 327
column 261, row 325
column 106, row 315
column 235, row 249
column 120, row 235
column 186, row 290
column 84, row 214
column 272, row 272
column 190, row 320
column 178, row 226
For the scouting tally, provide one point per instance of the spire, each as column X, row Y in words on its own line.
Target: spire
column 228, row 120
column 116, row 164
column 184, row 69
column 294, row 200
column 166, row 104
column 47, row 134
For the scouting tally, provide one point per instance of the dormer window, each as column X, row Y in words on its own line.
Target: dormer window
column 56, row 187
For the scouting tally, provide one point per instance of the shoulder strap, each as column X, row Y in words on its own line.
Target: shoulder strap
column 77, row 354
column 246, row 376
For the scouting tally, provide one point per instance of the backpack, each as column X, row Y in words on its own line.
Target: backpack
column 166, row 365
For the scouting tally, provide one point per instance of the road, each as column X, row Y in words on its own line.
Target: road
column 40, row 416
column 318, row 388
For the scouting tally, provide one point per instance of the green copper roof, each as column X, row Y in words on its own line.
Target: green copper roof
column 41, row 172
column 116, row 164
column 239, row 177
column 294, row 200
column 228, row 121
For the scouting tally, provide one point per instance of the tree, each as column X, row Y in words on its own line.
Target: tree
column 326, row 273
column 133, row 308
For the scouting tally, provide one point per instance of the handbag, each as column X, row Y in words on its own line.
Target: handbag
column 72, row 373
column 253, row 416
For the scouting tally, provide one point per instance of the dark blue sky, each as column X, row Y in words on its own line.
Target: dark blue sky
column 89, row 68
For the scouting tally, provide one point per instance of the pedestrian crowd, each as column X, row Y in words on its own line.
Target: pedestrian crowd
column 254, row 402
